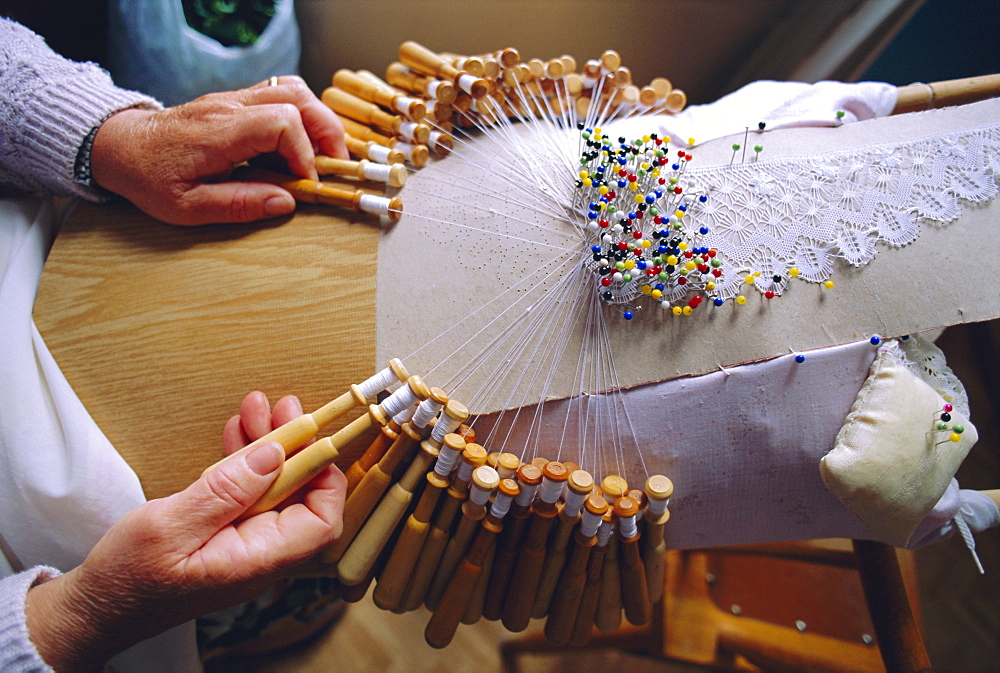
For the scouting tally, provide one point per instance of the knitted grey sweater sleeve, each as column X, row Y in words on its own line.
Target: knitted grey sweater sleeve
column 17, row 652
column 48, row 106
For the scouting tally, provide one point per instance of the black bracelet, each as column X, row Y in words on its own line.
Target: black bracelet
column 82, row 174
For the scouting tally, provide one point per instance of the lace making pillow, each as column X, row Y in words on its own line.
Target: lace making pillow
column 890, row 463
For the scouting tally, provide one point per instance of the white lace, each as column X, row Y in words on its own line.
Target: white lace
column 927, row 362
column 807, row 212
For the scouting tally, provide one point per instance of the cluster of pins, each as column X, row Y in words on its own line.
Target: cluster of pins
column 412, row 113
column 943, row 424
column 436, row 520
column 634, row 187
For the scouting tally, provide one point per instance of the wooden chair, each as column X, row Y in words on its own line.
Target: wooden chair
column 814, row 606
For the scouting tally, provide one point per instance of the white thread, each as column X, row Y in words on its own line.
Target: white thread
column 464, row 471
column 379, row 153
column 628, row 527
column 435, row 139
column 376, row 205
column 374, row 385
column 403, row 104
column 404, row 415
column 399, row 400
column 445, row 425
column 447, row 457
column 574, row 502
column 551, row 490
column 431, row 87
column 466, row 82
column 377, row 172
column 658, row 507
column 589, row 524
column 526, row 494
column 408, row 131
column 604, row 533
column 501, row 505
column 426, row 410
column 406, row 149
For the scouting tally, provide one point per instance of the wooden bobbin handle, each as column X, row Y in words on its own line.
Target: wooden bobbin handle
column 584, row 625
column 356, row 472
column 425, row 61
column 608, row 616
column 395, row 577
column 359, row 505
column 568, row 594
column 401, row 76
column 474, row 610
column 306, row 464
column 310, row 191
column 916, row 97
column 349, row 105
column 296, row 432
column 360, row 556
column 394, row 176
column 635, row 595
column 423, row 572
column 517, row 608
column 367, row 90
column 448, row 615
column 654, row 548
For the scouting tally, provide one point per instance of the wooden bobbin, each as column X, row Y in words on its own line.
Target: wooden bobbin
column 394, row 579
column 569, row 593
column 675, row 101
column 507, row 464
column 608, row 615
column 424, row 61
column 355, row 593
column 379, row 447
column 473, row 457
column 508, row 547
column 372, row 486
column 527, row 574
column 386, row 436
column 310, row 461
column 310, row 191
column 414, row 154
column 352, row 107
column 484, row 480
column 654, row 548
column 584, row 626
column 399, row 75
column 393, row 175
column 295, row 433
column 580, row 483
column 445, row 620
column 474, row 610
column 365, row 89
column 367, row 149
column 635, row 595
column 362, row 553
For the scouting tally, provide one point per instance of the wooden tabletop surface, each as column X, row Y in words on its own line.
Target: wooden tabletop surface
column 162, row 330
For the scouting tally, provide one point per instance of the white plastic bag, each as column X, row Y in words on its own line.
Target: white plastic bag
column 153, row 49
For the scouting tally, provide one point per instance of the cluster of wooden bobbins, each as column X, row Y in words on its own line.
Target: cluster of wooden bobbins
column 436, row 520
column 415, row 109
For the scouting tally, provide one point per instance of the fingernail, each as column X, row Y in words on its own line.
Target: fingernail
column 279, row 205
column 266, row 458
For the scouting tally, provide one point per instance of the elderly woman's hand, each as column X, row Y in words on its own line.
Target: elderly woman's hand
column 175, row 164
column 179, row 557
